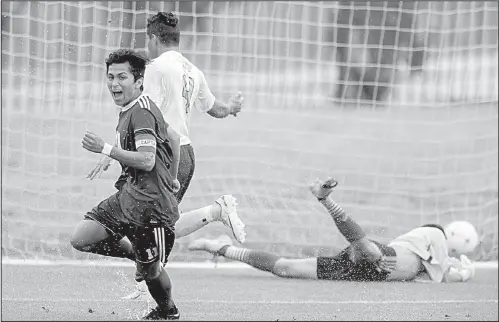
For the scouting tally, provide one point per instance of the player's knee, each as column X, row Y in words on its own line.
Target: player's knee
column 283, row 268
column 79, row 244
column 75, row 243
column 149, row 271
column 87, row 234
column 282, row 272
column 364, row 249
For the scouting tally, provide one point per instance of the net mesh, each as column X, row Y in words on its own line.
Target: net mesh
column 396, row 100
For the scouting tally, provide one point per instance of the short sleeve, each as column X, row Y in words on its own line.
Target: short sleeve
column 439, row 261
column 205, row 98
column 144, row 125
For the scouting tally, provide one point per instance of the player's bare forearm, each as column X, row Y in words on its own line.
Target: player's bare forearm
column 175, row 143
column 219, row 110
column 142, row 160
column 136, row 159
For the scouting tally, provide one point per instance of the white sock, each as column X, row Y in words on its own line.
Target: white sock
column 207, row 213
column 213, row 207
column 236, row 253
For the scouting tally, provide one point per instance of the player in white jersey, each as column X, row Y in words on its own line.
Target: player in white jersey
column 178, row 88
column 421, row 254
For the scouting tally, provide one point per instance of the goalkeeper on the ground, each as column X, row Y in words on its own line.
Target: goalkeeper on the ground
column 421, row 254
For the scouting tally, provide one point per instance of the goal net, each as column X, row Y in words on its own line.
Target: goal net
column 396, row 100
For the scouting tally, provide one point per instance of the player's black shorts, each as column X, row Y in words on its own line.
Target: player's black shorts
column 110, row 215
column 185, row 170
column 342, row 268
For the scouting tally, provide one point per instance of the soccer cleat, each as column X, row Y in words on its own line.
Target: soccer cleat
column 229, row 217
column 140, row 290
column 140, row 287
column 161, row 314
column 210, row 245
column 321, row 190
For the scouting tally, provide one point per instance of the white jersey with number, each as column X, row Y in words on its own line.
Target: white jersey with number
column 430, row 245
column 177, row 87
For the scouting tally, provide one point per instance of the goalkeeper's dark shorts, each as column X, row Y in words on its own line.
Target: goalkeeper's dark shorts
column 342, row 268
column 144, row 237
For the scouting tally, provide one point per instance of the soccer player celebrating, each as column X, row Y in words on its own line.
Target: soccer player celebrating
column 421, row 254
column 148, row 151
column 178, row 87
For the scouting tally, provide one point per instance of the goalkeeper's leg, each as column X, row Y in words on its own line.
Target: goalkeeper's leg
column 305, row 268
column 363, row 248
column 338, row 267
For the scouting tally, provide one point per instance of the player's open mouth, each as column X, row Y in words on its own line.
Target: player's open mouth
column 117, row 94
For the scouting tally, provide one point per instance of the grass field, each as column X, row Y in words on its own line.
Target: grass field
column 239, row 294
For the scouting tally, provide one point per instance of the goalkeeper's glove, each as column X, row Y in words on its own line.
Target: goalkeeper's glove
column 467, row 268
column 235, row 104
column 463, row 271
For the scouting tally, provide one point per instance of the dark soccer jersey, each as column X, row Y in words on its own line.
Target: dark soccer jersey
column 139, row 126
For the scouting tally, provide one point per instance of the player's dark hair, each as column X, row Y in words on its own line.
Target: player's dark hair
column 137, row 61
column 436, row 226
column 165, row 26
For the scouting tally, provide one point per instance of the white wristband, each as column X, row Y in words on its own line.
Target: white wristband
column 107, row 149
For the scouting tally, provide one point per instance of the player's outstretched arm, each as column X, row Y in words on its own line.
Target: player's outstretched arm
column 140, row 159
column 232, row 107
column 206, row 102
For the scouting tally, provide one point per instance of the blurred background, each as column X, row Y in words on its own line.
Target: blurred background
column 397, row 100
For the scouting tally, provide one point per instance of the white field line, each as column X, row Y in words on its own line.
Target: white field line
column 420, row 302
column 184, row 265
column 119, row 264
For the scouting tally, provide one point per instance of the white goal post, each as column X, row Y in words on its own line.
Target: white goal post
column 397, row 100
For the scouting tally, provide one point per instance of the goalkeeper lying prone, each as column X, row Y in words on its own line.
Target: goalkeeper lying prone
column 421, row 254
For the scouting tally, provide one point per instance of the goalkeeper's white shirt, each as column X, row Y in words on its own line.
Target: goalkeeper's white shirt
column 177, row 87
column 430, row 244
